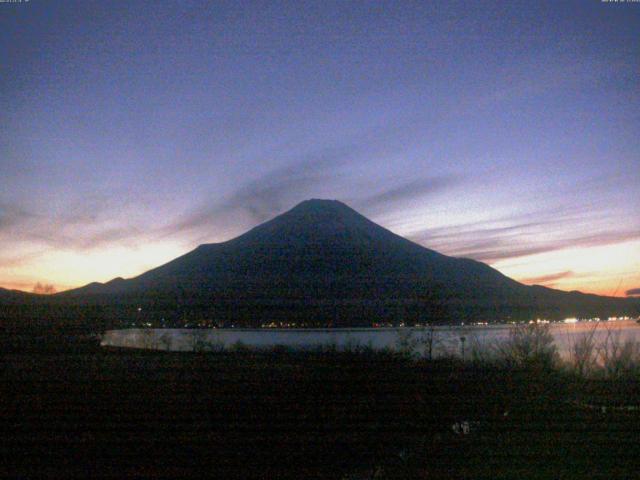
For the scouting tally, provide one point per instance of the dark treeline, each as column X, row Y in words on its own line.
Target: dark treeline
column 99, row 313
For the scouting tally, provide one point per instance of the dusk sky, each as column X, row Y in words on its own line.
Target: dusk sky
column 507, row 132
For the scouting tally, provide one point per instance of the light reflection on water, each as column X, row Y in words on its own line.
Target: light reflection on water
column 565, row 335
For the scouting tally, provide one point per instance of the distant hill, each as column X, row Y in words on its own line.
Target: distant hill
column 322, row 263
column 12, row 296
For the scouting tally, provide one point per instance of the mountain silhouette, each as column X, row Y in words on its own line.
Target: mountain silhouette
column 310, row 250
column 13, row 295
column 322, row 263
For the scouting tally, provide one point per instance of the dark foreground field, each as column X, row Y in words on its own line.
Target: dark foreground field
column 91, row 413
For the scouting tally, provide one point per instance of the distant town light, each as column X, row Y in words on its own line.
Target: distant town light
column 571, row 320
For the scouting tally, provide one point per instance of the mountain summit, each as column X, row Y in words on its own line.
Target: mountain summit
column 323, row 263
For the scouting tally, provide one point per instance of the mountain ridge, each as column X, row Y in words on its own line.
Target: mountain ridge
column 310, row 224
column 320, row 257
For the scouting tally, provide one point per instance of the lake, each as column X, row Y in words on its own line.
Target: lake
column 447, row 340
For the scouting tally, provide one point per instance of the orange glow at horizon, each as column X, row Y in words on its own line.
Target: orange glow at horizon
column 603, row 270
column 66, row 270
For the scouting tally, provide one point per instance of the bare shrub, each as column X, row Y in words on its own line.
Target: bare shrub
column 198, row 340
column 583, row 354
column 619, row 359
column 166, row 340
column 483, row 353
column 329, row 347
column 407, row 343
column 240, row 347
column 149, row 339
column 281, row 349
column 215, row 346
column 428, row 340
column 529, row 345
column 208, row 344
column 354, row 346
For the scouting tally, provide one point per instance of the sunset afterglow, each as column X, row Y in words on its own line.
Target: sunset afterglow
column 132, row 134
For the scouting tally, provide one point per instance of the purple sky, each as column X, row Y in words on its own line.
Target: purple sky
column 507, row 132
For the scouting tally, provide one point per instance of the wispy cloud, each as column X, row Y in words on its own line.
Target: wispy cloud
column 275, row 191
column 502, row 248
column 546, row 279
column 586, row 241
column 84, row 240
column 409, row 191
column 12, row 261
column 83, row 225
column 634, row 292
column 523, row 235
column 12, row 215
column 97, row 221
column 268, row 195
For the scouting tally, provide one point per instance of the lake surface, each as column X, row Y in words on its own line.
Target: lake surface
column 446, row 340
